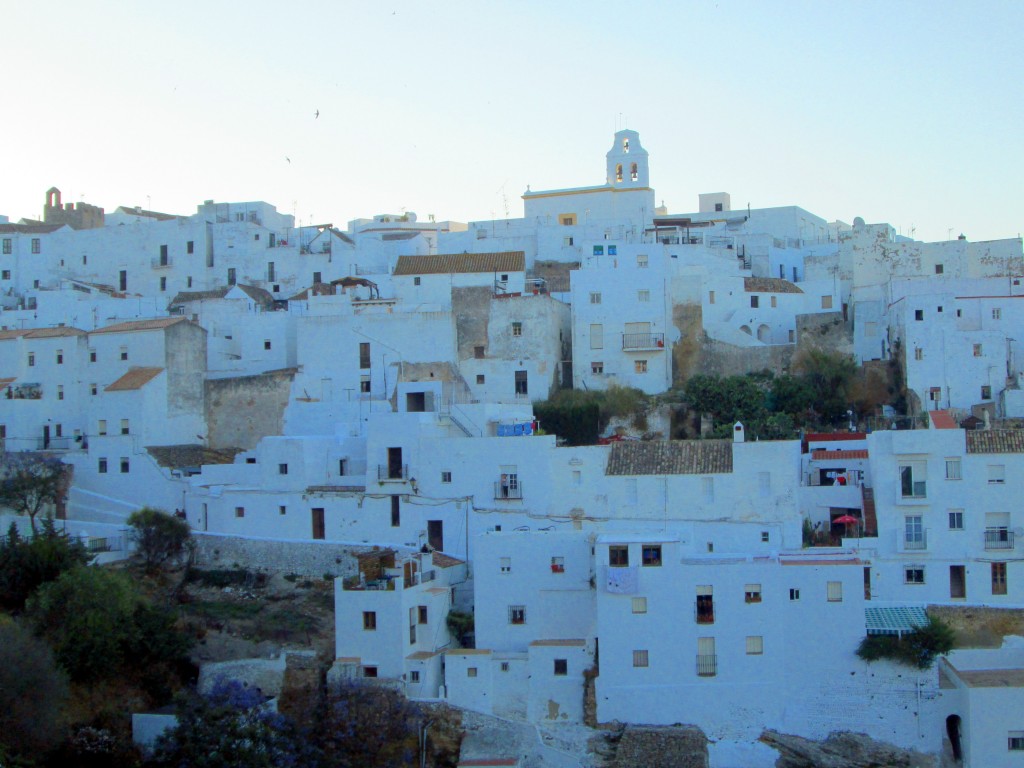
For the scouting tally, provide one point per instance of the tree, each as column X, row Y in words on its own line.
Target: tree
column 100, row 626
column 368, row 725
column 158, row 536
column 229, row 728
column 728, row 399
column 829, row 374
column 31, row 481
column 33, row 693
column 25, row 563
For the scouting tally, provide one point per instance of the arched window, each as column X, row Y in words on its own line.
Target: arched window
column 764, row 333
column 746, row 330
column 618, row 172
column 633, row 172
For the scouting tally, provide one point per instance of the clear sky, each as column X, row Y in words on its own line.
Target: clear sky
column 905, row 112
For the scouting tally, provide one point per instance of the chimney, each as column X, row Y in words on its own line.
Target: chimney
column 737, row 433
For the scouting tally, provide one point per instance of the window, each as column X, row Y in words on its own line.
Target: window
column 60, row 357
column 599, row 250
column 639, row 605
column 101, row 427
column 124, row 465
column 317, row 278
column 282, row 510
column 597, row 367
column 102, row 468
column 505, row 563
column 521, row 382
column 282, row 469
column 7, row 245
column 190, row 247
column 752, row 593
column 369, row 671
column 561, row 667
column 471, row 671
column 977, row 350
column 996, row 474
column 558, row 565
column 755, row 645
column 93, row 389
column 31, row 358
column 986, row 392
column 417, row 281
column 919, row 314
column 478, row 352
column 517, row 614
column 639, row 366
column 124, row 353
column 421, row 614
column 938, row 269
column 641, row 261
column 504, row 666
column 480, row 378
column 705, row 604
column 517, row 328
column 650, row 555
column 643, row 296
column 342, row 467
column 754, row 302
column 446, row 477
column 765, row 537
column 595, row 297
column 163, row 283
column 36, row 245
column 1015, row 741
column 640, row 659
column 231, row 276
column 6, row 275
column 396, row 512
column 957, row 581
column 239, row 511
column 834, row 590
column 125, row 427
column 567, row 242
column 618, row 555
column 956, row 519
column 92, row 355
column 997, row 313
column 369, row 619
column 826, row 302
column 952, row 469
column 60, row 391
column 414, row 676
column 912, row 480
column 998, row 578
column 913, row 574
column 122, row 280
column 266, row 344
column 596, row 336
column 918, row 353
column 935, row 394
column 364, row 355
column 711, row 297
column 794, row 594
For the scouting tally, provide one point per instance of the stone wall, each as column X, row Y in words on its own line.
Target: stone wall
column 306, row 558
column 677, row 747
column 242, row 409
column 827, row 331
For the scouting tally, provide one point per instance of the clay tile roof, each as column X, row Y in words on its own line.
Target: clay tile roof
column 261, row 296
column 420, row 655
column 136, row 378
column 49, row 333
column 943, row 420
column 448, row 263
column 995, row 441
column 5, row 382
column 820, row 454
column 441, row 560
column 30, row 229
column 769, row 285
column 186, row 296
column 559, row 643
column 670, row 457
column 14, row 333
column 141, row 325
column 178, row 456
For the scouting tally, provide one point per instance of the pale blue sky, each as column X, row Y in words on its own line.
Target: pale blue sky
column 911, row 113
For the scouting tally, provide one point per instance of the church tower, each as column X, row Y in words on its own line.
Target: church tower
column 627, row 162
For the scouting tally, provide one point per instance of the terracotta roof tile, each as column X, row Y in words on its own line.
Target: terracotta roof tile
column 769, row 285
column 141, row 325
column 559, row 643
column 49, row 333
column 995, row 441
column 30, row 229
column 822, row 454
column 186, row 296
column 943, row 420
column 441, row 560
column 136, row 378
column 671, row 457
column 448, row 263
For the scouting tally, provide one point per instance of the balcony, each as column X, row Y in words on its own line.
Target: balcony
column 643, row 341
column 998, row 538
column 53, row 444
column 508, row 489
column 163, row 262
column 916, row 541
column 392, row 472
column 707, row 664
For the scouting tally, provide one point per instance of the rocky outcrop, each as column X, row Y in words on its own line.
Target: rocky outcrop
column 842, row 750
column 674, row 747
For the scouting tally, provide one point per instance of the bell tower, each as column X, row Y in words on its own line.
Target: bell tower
column 627, row 162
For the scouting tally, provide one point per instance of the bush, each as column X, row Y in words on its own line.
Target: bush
column 159, row 537
column 27, row 563
column 368, row 725
column 228, row 577
column 915, row 649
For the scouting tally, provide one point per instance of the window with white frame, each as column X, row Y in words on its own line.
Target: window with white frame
column 596, row 336
column 956, row 519
column 997, row 313
column 835, row 591
column 517, row 328
column 755, row 645
column 913, row 574
column 618, row 555
column 997, row 474
column 595, row 297
column 639, row 605
column 953, row 469
column 752, row 593
column 643, row 295
column 912, row 479
column 641, row 260
column 597, row 366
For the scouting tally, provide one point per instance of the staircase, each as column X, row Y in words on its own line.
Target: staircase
column 870, row 518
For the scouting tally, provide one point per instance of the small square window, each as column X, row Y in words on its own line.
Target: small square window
column 446, row 477
column 977, row 350
column 282, row 469
column 794, row 594
column 835, row 591
column 599, row 250
column 986, row 392
column 826, row 302
column 996, row 474
column 997, row 313
column 416, row 281
column 755, row 645
column 369, row 671
column 266, row 343
column 597, row 367
column 919, row 314
column 282, row 510
column 517, row 614
column 517, row 328
column 913, row 574
column 125, row 467
column 754, row 302
column 480, row 378
column 618, row 555
column 558, row 565
column 478, row 352
column 369, row 619
column 938, row 269
column 471, row 671
column 765, row 537
column 561, row 667
column 639, row 366
column 952, row 469
column 239, row 511
column 641, row 261
column 640, row 659
column 1015, row 741
column 639, row 605
column 752, row 593
column 504, row 666
column 595, row 297
column 414, row 676
column 643, row 296
column 650, row 555
column 956, row 519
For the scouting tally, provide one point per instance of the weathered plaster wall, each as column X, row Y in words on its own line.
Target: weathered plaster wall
column 240, row 411
column 306, row 558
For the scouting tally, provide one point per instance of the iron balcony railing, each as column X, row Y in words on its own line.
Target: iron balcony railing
column 707, row 664
column 998, row 538
column 508, row 489
column 643, row 341
column 386, row 472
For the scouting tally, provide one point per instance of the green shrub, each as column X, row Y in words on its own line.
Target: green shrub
column 914, row 649
column 26, row 563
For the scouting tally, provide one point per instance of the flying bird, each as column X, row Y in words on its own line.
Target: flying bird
column 289, row 160
column 316, row 115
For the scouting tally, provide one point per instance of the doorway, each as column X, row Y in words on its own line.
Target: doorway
column 319, row 528
column 435, row 534
column 953, row 732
